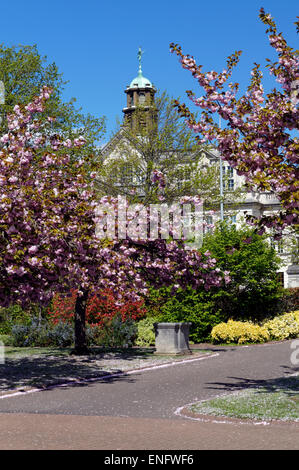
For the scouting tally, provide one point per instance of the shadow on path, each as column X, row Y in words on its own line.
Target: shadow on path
column 287, row 384
column 42, row 372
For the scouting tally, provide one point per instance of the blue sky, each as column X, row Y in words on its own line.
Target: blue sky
column 95, row 43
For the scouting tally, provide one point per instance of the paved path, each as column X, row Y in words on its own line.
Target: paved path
column 137, row 411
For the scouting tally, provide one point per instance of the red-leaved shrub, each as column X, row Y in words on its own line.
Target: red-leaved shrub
column 99, row 307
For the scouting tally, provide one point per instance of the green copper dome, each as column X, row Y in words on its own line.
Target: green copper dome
column 140, row 82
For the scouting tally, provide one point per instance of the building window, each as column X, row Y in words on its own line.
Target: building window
column 231, row 219
column 126, row 175
column 141, row 98
column 228, row 183
column 277, row 245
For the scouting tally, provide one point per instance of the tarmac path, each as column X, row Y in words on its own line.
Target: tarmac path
column 138, row 411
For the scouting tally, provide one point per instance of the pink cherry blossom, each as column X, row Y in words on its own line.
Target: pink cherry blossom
column 257, row 140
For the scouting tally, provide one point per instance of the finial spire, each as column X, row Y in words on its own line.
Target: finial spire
column 139, row 55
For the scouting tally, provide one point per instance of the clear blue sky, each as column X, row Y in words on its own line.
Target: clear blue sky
column 95, row 42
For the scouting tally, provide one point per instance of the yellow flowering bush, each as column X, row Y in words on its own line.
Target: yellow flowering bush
column 284, row 326
column 239, row 332
column 281, row 327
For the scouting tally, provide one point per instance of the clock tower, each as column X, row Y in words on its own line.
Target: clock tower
column 140, row 111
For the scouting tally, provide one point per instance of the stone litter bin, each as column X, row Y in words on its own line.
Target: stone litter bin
column 172, row 338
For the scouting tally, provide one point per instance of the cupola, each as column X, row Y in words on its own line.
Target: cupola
column 140, row 100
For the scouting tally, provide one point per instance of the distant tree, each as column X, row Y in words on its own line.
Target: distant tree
column 23, row 72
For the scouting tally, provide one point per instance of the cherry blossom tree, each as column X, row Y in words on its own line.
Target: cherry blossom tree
column 48, row 221
column 258, row 139
column 46, row 212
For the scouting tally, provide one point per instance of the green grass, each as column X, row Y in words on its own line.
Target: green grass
column 276, row 400
column 12, row 352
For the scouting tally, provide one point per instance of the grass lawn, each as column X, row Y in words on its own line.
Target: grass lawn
column 12, row 352
column 277, row 400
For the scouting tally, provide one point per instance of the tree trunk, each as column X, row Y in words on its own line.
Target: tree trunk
column 39, row 315
column 80, row 334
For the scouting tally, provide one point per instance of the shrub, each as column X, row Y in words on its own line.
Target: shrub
column 146, row 332
column 93, row 334
column 60, row 335
column 103, row 306
column 188, row 305
column 62, row 307
column 289, row 300
column 254, row 292
column 116, row 332
column 107, row 324
column 284, row 326
column 13, row 315
column 100, row 307
column 239, row 332
column 6, row 340
column 42, row 334
column 20, row 335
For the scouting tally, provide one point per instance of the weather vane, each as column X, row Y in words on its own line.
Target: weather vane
column 139, row 55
